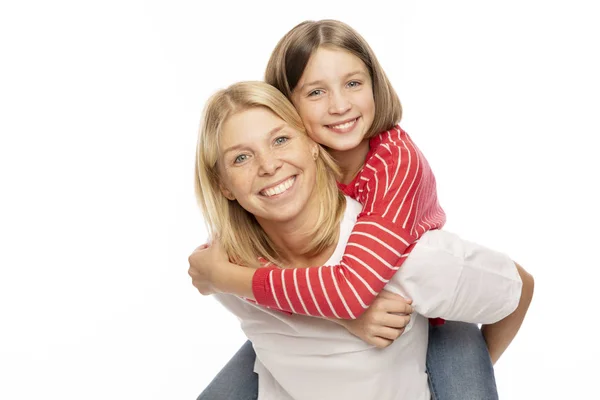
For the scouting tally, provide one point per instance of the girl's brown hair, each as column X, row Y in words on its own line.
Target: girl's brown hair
column 290, row 56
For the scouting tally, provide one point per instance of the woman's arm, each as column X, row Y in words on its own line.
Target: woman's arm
column 499, row 335
column 400, row 202
column 458, row 280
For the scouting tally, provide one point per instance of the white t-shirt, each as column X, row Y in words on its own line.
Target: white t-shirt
column 307, row 358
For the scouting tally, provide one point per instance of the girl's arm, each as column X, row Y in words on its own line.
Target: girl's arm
column 383, row 322
column 397, row 190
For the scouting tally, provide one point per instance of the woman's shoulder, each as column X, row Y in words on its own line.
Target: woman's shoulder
column 353, row 208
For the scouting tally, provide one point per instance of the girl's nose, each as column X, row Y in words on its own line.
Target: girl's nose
column 338, row 104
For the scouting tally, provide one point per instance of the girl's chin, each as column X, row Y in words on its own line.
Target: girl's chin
column 344, row 147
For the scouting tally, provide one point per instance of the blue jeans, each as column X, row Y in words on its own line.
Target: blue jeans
column 458, row 365
column 237, row 380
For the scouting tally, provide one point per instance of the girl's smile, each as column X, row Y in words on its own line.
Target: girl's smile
column 334, row 98
column 344, row 126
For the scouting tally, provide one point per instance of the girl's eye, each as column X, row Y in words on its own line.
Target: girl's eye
column 240, row 159
column 354, row 84
column 315, row 93
column 281, row 140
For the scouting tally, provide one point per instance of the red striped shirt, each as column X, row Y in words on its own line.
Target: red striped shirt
column 397, row 190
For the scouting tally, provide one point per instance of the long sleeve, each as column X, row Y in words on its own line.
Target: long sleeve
column 397, row 190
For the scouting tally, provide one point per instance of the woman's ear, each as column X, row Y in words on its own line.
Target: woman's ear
column 315, row 151
column 226, row 192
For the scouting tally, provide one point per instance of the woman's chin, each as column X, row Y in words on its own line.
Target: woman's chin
column 280, row 214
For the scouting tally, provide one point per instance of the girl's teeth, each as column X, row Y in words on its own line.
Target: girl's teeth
column 282, row 187
column 344, row 126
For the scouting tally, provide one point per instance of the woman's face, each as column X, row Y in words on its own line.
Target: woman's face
column 334, row 98
column 266, row 165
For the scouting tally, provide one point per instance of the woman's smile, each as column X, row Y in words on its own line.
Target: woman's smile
column 267, row 165
column 279, row 189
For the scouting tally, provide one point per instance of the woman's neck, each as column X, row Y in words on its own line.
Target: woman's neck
column 291, row 245
column 351, row 161
column 291, row 238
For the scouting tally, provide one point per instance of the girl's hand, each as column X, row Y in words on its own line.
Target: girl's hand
column 204, row 260
column 383, row 322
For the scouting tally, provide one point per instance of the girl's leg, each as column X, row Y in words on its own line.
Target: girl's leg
column 458, row 363
column 237, row 380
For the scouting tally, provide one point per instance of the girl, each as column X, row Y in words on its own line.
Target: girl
column 252, row 139
column 347, row 104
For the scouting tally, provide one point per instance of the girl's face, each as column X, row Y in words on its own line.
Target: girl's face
column 334, row 98
column 266, row 165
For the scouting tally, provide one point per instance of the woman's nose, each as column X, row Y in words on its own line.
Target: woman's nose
column 269, row 163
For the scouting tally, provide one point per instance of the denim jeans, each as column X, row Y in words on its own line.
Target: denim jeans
column 237, row 380
column 458, row 365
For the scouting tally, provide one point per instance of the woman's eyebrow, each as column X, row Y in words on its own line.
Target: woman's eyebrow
column 276, row 130
column 235, row 147
column 242, row 146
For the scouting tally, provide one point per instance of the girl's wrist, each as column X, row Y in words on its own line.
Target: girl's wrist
column 218, row 277
column 233, row 279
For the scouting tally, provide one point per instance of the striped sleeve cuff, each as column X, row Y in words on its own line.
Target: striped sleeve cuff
column 261, row 287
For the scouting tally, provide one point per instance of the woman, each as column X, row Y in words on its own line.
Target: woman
column 258, row 171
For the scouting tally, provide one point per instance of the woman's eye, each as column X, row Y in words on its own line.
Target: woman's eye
column 281, row 140
column 353, row 84
column 315, row 93
column 240, row 159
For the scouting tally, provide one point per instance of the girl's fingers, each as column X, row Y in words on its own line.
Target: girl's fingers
column 395, row 321
column 389, row 333
column 393, row 296
column 380, row 342
column 395, row 306
column 202, row 247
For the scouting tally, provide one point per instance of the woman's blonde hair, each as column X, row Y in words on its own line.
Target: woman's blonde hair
column 238, row 230
column 290, row 56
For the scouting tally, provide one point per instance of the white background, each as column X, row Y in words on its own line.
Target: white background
column 99, row 108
